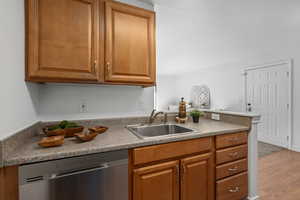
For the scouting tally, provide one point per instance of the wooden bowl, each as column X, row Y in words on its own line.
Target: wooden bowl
column 53, row 141
column 67, row 132
column 57, row 132
column 70, row 132
column 98, row 129
column 85, row 137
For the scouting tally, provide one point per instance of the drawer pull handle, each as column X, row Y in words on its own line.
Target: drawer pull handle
column 235, row 190
column 234, row 169
column 233, row 139
column 234, row 154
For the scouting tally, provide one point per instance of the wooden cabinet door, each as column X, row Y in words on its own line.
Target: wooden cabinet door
column 130, row 44
column 197, row 178
column 62, row 40
column 157, row 182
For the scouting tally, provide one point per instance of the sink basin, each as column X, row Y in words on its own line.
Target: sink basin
column 163, row 130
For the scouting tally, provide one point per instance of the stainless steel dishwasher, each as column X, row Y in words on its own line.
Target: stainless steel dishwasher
column 101, row 176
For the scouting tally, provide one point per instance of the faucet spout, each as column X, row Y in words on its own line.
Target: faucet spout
column 154, row 115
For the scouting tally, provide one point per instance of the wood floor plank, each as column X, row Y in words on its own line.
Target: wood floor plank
column 279, row 176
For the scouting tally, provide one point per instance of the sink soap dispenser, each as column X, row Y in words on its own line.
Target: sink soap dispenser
column 182, row 109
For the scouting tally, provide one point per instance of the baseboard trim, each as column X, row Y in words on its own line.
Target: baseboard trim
column 268, row 141
column 295, row 148
column 253, row 198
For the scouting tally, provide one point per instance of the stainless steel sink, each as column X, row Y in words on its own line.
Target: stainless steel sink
column 163, row 130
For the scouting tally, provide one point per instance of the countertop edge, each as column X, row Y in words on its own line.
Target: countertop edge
column 242, row 114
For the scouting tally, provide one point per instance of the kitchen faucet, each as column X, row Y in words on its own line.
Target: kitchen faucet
column 154, row 115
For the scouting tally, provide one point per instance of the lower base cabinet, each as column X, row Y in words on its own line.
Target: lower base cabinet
column 190, row 178
column 191, row 170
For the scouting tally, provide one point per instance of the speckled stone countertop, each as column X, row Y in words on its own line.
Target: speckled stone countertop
column 116, row 138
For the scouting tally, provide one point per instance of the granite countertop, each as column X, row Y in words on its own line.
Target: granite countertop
column 116, row 138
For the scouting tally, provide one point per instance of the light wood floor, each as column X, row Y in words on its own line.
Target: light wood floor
column 279, row 176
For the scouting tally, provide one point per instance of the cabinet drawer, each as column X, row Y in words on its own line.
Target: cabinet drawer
column 231, row 154
column 233, row 188
column 171, row 150
column 231, row 168
column 229, row 140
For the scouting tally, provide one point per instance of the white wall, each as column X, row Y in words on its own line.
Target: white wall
column 58, row 102
column 225, row 92
column 167, row 91
column 210, row 42
column 18, row 100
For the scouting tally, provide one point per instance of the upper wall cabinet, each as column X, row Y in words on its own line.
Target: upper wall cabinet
column 130, row 44
column 89, row 41
column 62, row 40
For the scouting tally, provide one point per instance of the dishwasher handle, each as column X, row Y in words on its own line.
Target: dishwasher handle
column 57, row 176
column 98, row 168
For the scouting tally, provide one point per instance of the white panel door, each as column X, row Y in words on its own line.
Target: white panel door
column 268, row 93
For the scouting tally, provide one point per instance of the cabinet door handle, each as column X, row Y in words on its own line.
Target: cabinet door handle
column 108, row 67
column 235, row 190
column 95, row 65
column 182, row 173
column 183, row 169
column 177, row 175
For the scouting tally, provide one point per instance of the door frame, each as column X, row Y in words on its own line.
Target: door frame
column 289, row 63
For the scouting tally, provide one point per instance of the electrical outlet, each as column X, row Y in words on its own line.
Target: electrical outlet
column 83, row 108
column 215, row 116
